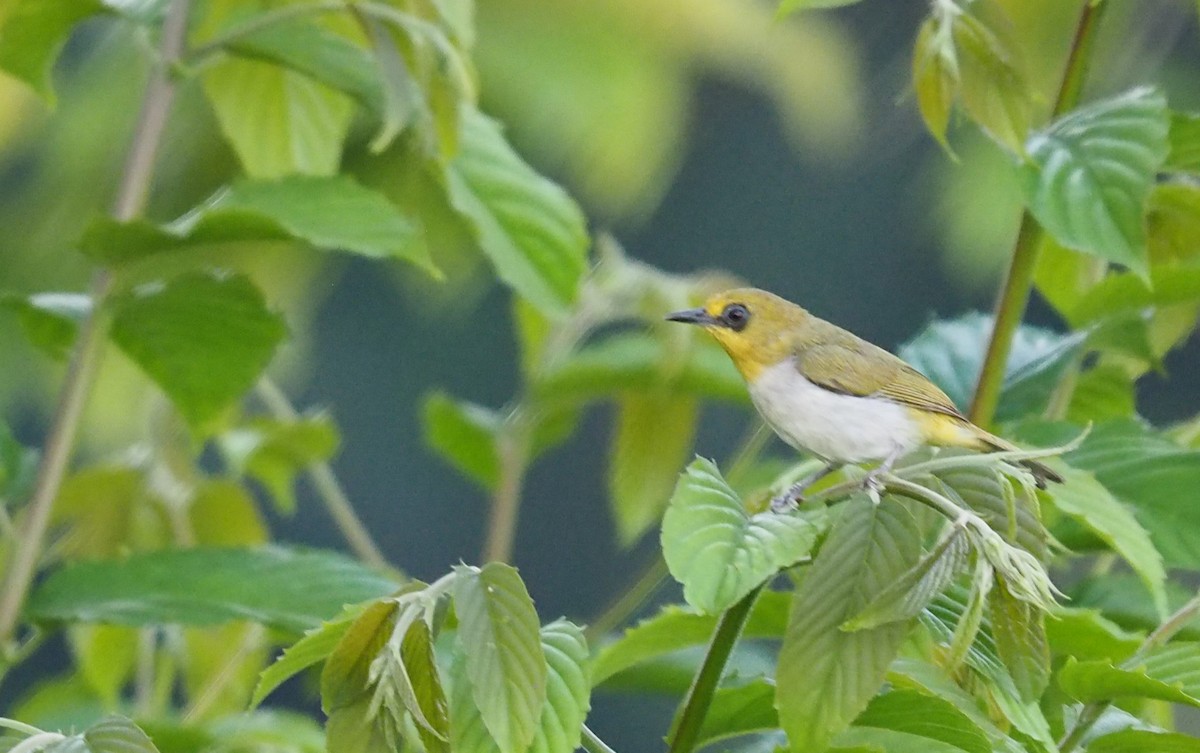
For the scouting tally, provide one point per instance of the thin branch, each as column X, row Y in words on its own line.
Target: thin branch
column 512, row 447
column 1014, row 296
column 1092, row 712
column 646, row 585
column 129, row 203
column 326, row 484
column 686, row 729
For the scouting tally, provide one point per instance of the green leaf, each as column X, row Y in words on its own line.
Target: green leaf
column 912, row 591
column 1088, row 634
column 653, row 439
column 1091, row 171
column 316, row 644
column 915, row 713
column 203, row 338
column 334, row 213
column 717, row 551
column 933, row 682
column 105, row 656
column 1118, row 293
column 114, row 734
column 792, row 6
column 950, row 352
column 935, row 79
column 405, row 682
column 464, row 434
column 317, row 53
column 675, row 628
column 1144, row 741
column 1184, row 137
column 1123, row 598
column 1103, row 392
column 1007, row 507
column 739, row 710
column 567, row 697
column 826, row 675
column 530, row 229
column 1177, row 664
column 993, row 90
column 33, row 32
column 289, row 589
column 1091, row 681
column 1173, row 222
column 274, row 451
column 18, row 469
column 50, row 320
column 888, row 741
column 636, row 362
column 279, row 122
column 344, row 678
column 1020, row 633
column 221, row 512
column 1087, row 500
column 498, row 634
column 352, row 729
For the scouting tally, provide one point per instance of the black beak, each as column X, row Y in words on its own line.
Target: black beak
column 691, row 316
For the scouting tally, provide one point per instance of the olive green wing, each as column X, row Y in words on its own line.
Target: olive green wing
column 859, row 368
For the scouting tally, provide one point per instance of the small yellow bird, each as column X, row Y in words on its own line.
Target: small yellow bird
column 825, row 391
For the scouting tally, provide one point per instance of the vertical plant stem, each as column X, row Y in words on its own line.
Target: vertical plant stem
column 326, row 484
column 686, row 729
column 129, row 203
column 592, row 743
column 1092, row 712
column 1014, row 295
column 513, row 450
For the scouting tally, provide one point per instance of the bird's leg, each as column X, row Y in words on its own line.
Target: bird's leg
column 871, row 480
column 792, row 498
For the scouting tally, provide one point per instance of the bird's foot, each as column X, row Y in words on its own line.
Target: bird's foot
column 789, row 501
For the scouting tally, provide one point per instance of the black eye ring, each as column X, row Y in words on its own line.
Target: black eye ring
column 735, row 316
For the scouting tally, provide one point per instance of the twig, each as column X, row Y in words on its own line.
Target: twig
column 513, row 450
column 1092, row 712
column 326, row 484
column 129, row 203
column 686, row 729
column 647, row 583
column 1014, row 296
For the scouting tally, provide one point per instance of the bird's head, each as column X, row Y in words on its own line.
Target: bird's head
column 756, row 328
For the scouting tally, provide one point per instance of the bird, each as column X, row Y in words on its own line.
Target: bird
column 828, row 392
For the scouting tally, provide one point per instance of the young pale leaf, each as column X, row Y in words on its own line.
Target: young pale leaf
column 935, row 78
column 826, row 675
column 405, row 682
column 568, row 691
column 1087, row 634
column 222, row 512
column 284, row 588
column 653, row 438
column 33, row 32
column 49, row 320
column 352, row 729
column 739, row 710
column 114, row 734
column 716, row 550
column 1091, row 681
column 498, row 635
column 926, row 716
column 1091, row 171
column 464, row 434
column 1020, row 632
column 634, row 362
column 1144, row 741
column 676, row 628
column 879, row 740
column 203, row 338
column 313, row 647
column 1173, row 222
column 1185, row 143
column 531, row 230
column 317, row 53
column 1004, row 506
column 275, row 451
column 105, row 656
column 279, row 122
column 345, row 676
column 334, row 213
column 912, row 591
column 935, row 684
column 1087, row 500
column 950, row 353
column 992, row 87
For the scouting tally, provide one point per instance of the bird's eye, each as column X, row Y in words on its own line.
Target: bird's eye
column 735, row 316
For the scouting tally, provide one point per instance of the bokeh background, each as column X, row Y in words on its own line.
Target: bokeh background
column 702, row 134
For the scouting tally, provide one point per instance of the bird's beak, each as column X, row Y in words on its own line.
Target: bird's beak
column 692, row 316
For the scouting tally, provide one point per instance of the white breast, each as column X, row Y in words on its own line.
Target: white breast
column 842, row 428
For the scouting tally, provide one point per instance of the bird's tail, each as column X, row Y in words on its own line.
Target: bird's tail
column 1042, row 473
